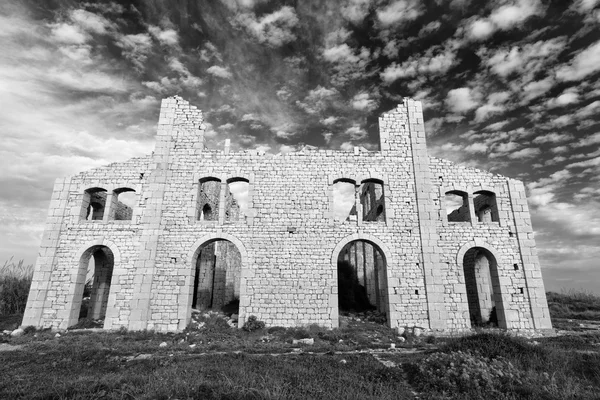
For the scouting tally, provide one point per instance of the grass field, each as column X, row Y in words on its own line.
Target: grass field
column 354, row 362
column 361, row 360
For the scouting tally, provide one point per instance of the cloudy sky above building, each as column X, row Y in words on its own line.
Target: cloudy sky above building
column 508, row 85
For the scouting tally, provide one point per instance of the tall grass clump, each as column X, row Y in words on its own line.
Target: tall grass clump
column 574, row 305
column 15, row 280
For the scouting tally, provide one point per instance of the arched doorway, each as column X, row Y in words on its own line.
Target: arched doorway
column 92, row 288
column 362, row 278
column 484, row 295
column 217, row 277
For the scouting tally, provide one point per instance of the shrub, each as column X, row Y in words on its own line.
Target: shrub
column 468, row 373
column 15, row 280
column 253, row 324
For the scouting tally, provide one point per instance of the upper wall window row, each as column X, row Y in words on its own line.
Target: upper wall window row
column 366, row 199
column 99, row 205
column 485, row 207
column 222, row 202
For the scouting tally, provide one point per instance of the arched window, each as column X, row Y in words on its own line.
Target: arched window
column 237, row 199
column 94, row 203
column 123, row 203
column 209, row 194
column 457, row 206
column 372, row 199
column 344, row 199
column 486, row 207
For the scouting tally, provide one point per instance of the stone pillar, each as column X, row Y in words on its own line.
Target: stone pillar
column 529, row 257
column 427, row 213
column 38, row 312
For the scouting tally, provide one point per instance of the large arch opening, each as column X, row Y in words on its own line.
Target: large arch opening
column 362, row 279
column 92, row 287
column 484, row 295
column 217, row 277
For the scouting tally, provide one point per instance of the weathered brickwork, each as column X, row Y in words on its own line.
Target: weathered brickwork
column 287, row 238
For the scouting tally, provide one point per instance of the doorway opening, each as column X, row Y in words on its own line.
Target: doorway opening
column 362, row 282
column 93, row 288
column 483, row 289
column 217, row 278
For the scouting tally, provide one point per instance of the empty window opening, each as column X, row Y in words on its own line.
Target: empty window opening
column 92, row 288
column 457, row 206
column 207, row 213
column 237, row 199
column 362, row 283
column 344, row 199
column 217, row 277
column 485, row 205
column 209, row 194
column 483, row 289
column 94, row 203
column 123, row 203
column 372, row 200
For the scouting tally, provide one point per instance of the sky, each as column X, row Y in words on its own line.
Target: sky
column 510, row 86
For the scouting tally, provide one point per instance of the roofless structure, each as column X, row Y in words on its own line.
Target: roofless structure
column 431, row 244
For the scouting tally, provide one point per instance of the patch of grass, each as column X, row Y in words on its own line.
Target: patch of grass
column 574, row 305
column 546, row 370
column 15, row 280
column 98, row 372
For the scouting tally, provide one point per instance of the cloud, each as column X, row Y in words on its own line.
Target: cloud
column 69, row 34
column 329, row 120
column 511, row 15
column 529, row 58
column 528, row 152
column 495, row 105
column 552, row 138
column 356, row 10
column 167, row 37
column 275, row 29
column 481, row 29
column 593, row 139
column 356, row 132
column 536, row 89
column 461, row 100
column 505, row 17
column 476, row 148
column 569, row 96
column 585, row 63
column 584, row 6
column 219, row 72
column 343, row 52
column 400, row 11
column 91, row 22
column 317, row 100
column 135, row 48
column 435, row 61
column 363, row 102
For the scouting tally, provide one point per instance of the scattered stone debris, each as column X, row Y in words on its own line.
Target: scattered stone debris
column 17, row 332
column 307, row 341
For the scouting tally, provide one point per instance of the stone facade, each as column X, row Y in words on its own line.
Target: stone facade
column 287, row 238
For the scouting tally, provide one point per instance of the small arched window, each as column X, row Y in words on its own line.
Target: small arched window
column 372, row 199
column 123, row 203
column 94, row 204
column 344, row 199
column 237, row 199
column 209, row 194
column 457, row 206
column 486, row 207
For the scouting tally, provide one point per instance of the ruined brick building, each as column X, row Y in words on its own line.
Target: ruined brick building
column 434, row 244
